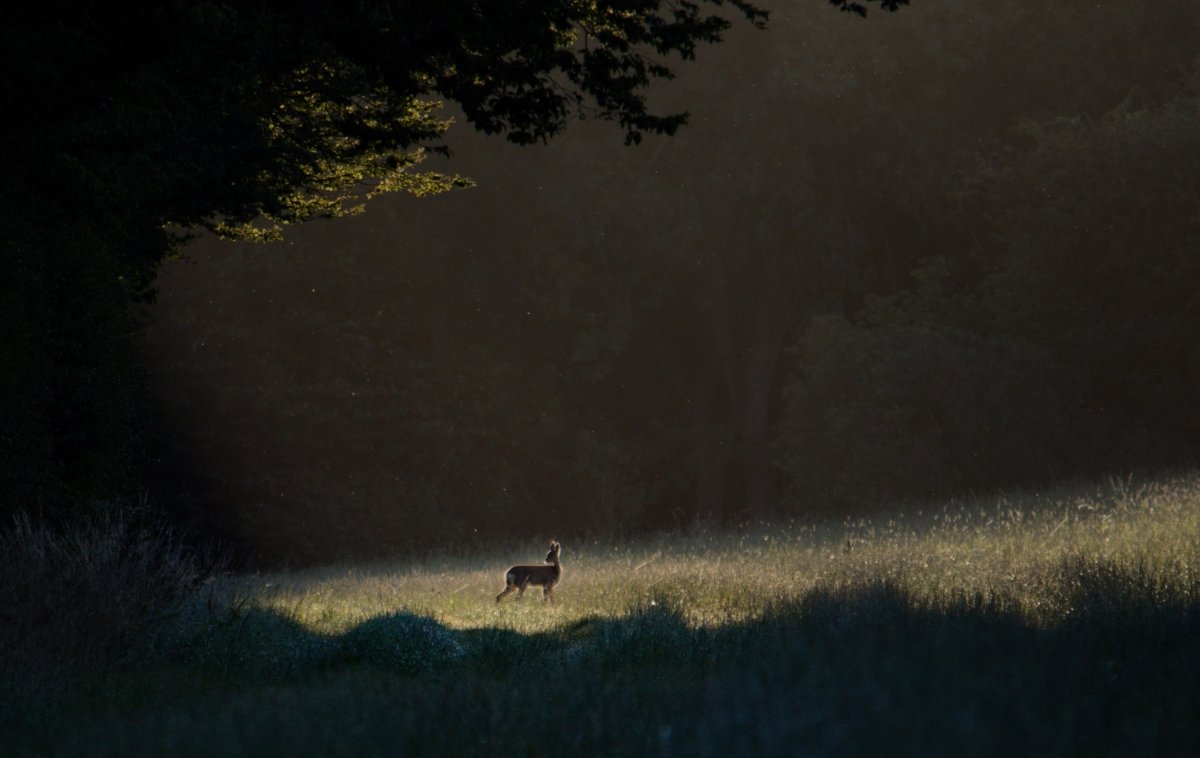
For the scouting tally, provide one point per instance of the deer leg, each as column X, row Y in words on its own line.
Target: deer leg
column 521, row 592
column 548, row 594
column 508, row 590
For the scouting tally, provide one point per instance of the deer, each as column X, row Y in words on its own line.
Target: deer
column 517, row 578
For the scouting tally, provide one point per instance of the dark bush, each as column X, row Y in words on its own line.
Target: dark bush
column 90, row 594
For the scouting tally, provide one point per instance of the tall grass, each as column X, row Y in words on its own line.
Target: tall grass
column 1029, row 553
column 92, row 593
column 1063, row 622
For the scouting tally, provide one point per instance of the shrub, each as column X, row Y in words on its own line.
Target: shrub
column 90, row 593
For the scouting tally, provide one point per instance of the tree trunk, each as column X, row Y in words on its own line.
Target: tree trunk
column 758, row 484
column 764, row 344
column 709, row 448
column 750, row 314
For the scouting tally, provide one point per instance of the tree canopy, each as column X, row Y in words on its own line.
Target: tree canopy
column 276, row 109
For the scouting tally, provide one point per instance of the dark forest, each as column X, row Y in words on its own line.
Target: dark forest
column 912, row 257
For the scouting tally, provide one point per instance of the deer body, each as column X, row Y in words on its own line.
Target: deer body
column 517, row 578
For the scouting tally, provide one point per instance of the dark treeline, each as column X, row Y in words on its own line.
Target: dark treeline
column 943, row 251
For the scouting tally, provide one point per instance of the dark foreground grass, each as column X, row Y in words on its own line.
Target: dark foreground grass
column 855, row 671
column 1086, row 652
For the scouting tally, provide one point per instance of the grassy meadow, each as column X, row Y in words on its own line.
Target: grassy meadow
column 1055, row 623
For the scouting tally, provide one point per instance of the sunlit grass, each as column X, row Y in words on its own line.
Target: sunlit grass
column 999, row 550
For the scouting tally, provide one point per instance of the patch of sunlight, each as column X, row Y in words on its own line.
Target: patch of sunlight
column 1007, row 548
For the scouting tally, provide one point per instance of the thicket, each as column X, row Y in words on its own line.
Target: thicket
column 1062, row 339
column 83, row 597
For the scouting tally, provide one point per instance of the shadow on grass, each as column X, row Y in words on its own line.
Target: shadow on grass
column 855, row 670
column 1100, row 610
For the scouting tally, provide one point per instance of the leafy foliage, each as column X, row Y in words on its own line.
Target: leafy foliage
column 861, row 9
column 1063, row 331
